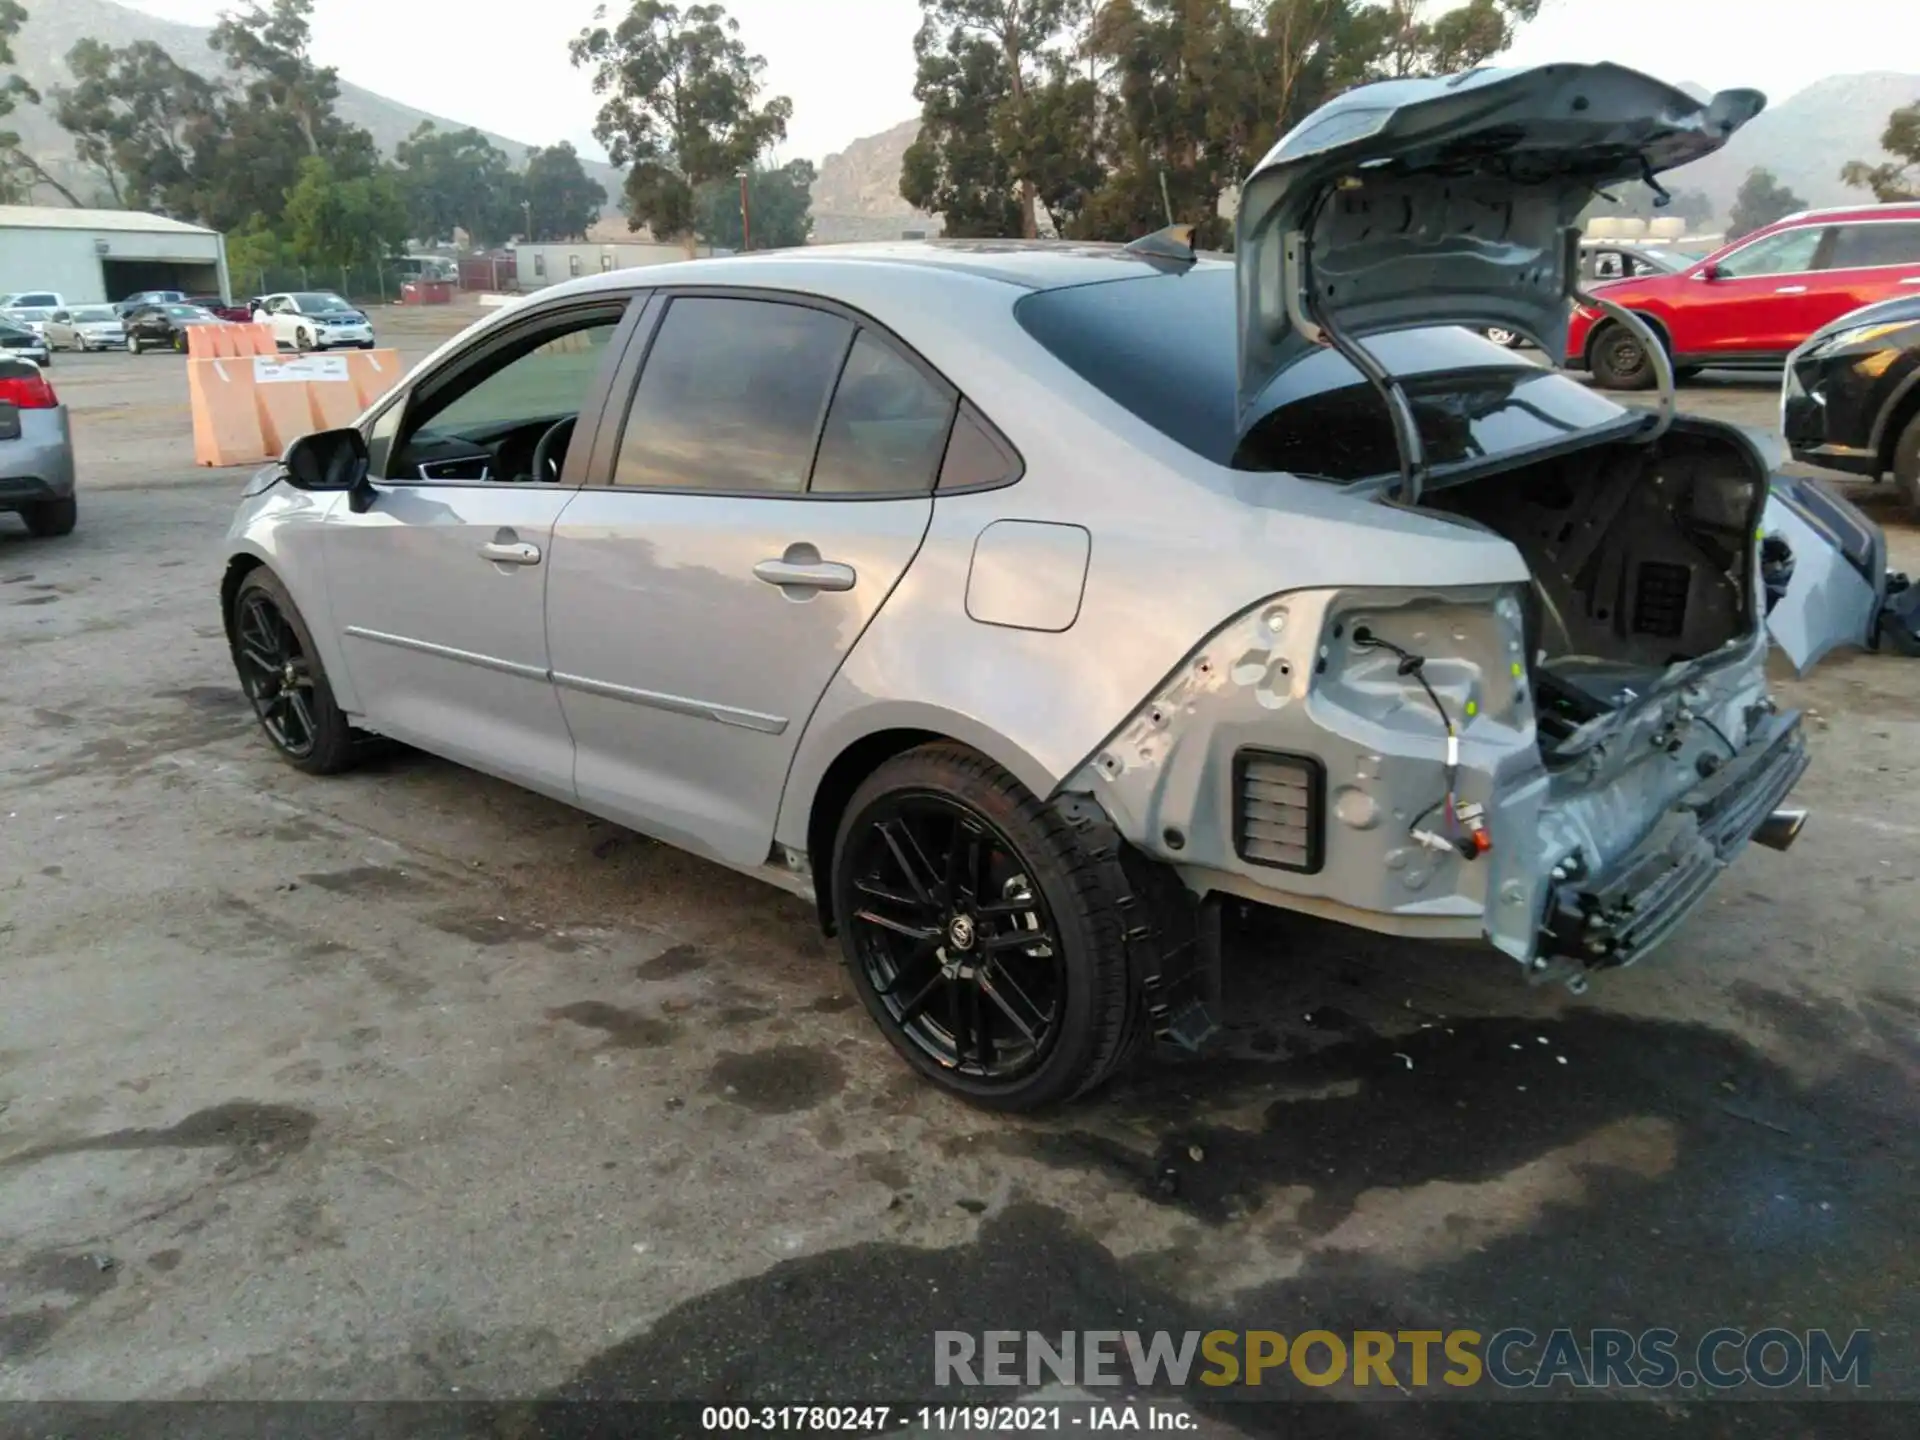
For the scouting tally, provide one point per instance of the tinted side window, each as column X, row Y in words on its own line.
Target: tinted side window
column 1784, row 253
column 886, row 428
column 732, row 397
column 1884, row 243
column 977, row 458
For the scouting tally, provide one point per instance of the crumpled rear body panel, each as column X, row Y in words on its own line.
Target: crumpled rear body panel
column 1286, row 677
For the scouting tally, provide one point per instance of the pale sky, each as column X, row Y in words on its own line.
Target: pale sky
column 848, row 64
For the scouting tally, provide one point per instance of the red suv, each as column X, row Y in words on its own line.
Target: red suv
column 1750, row 303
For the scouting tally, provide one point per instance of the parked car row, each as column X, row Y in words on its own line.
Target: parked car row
column 299, row 320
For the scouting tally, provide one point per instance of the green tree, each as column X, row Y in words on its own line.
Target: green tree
column 138, row 118
column 957, row 168
column 779, row 208
column 20, row 171
column 560, row 201
column 457, row 180
column 252, row 251
column 680, row 107
column 1017, row 34
column 342, row 222
column 1897, row 179
column 1761, row 201
column 277, row 110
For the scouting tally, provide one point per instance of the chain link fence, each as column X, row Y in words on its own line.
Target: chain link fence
column 363, row 284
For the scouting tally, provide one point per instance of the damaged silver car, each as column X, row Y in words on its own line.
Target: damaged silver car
column 1018, row 603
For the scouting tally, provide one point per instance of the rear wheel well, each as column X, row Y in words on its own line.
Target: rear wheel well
column 843, row 777
column 238, row 568
column 1652, row 323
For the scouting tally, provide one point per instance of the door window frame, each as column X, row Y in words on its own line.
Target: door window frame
column 632, row 370
column 635, row 304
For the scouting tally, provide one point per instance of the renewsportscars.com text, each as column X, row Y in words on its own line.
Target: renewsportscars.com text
column 1772, row 1358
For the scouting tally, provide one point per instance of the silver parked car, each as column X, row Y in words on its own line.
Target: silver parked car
column 36, row 450
column 86, row 327
column 1017, row 603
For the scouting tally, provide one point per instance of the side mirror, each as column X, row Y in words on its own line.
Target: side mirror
column 1711, row 272
column 61, row 317
column 327, row 460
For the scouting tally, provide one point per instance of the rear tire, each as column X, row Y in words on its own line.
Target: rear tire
column 282, row 677
column 48, row 519
column 1001, row 975
column 1619, row 361
column 1906, row 464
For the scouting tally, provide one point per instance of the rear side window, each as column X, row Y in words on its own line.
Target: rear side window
column 732, row 397
column 886, row 428
column 1883, row 242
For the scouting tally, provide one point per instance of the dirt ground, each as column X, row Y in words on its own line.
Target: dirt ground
column 410, row 1085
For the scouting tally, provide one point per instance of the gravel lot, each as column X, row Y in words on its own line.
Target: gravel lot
column 410, row 1085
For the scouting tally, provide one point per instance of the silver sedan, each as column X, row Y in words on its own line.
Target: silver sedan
column 36, row 450
column 1019, row 604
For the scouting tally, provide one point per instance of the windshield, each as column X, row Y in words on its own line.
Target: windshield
column 89, row 314
column 320, row 302
column 1165, row 347
column 31, row 314
column 185, row 312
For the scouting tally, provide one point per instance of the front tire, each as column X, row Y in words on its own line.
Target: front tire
column 1906, row 464
column 49, row 519
column 302, row 341
column 982, row 932
column 281, row 673
column 133, row 344
column 1619, row 360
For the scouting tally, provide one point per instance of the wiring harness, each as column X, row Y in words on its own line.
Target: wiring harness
column 1463, row 829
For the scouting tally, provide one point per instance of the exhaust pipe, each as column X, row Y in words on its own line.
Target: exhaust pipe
column 1780, row 829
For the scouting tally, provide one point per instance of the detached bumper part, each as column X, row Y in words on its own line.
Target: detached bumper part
column 1603, row 922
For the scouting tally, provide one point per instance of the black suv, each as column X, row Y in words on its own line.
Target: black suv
column 1851, row 398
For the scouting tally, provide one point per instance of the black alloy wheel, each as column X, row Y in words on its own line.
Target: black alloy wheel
column 275, row 673
column 982, row 933
column 961, row 951
column 284, row 681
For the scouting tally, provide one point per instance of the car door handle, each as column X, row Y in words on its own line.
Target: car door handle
column 806, row 575
column 1791, row 290
column 518, row 553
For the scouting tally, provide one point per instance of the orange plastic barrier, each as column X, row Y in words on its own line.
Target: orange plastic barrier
column 247, row 408
column 226, row 430
column 374, row 373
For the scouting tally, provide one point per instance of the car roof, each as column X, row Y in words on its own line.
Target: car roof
column 1842, row 213
column 1026, row 264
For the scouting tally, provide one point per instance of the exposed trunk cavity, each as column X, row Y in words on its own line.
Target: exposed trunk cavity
column 1642, row 560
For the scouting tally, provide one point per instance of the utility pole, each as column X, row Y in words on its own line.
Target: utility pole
column 746, row 213
column 526, row 209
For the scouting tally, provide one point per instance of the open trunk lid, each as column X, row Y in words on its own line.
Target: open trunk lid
column 1456, row 201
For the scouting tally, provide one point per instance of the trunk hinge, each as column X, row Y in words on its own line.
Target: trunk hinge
column 1650, row 342
column 1314, row 325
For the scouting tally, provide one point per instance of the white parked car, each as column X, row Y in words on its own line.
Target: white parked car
column 86, row 327
column 33, row 317
column 36, row 300
column 313, row 320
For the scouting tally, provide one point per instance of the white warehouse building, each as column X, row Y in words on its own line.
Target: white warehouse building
column 92, row 257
